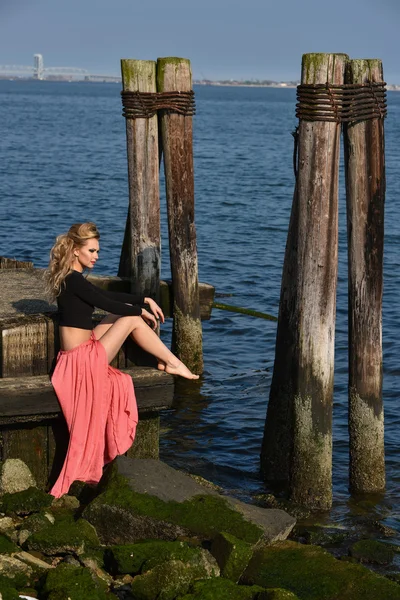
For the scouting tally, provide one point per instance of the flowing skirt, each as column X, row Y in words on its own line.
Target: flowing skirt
column 99, row 406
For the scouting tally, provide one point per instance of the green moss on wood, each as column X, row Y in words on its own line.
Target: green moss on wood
column 204, row 515
column 147, row 439
column 364, row 70
column 313, row 63
column 25, row 502
column 138, row 75
column 313, row 574
column 168, row 62
column 188, row 337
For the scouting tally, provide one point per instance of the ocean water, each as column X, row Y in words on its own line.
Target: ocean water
column 63, row 160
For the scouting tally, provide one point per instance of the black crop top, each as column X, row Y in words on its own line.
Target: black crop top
column 78, row 298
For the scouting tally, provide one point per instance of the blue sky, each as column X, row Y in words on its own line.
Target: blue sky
column 223, row 38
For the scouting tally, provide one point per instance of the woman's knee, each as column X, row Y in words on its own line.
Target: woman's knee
column 134, row 322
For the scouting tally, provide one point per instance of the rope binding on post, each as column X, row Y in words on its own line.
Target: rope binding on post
column 345, row 103
column 143, row 105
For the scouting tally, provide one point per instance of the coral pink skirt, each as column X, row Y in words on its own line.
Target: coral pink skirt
column 99, row 406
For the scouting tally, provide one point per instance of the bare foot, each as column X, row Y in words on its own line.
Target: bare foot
column 161, row 366
column 178, row 368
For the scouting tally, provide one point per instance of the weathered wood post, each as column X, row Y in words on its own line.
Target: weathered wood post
column 140, row 256
column 297, row 443
column 365, row 190
column 174, row 75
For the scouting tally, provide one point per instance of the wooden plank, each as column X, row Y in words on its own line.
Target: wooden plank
column 22, row 292
column 365, row 192
column 122, row 284
column 12, row 263
column 34, row 396
column 23, row 345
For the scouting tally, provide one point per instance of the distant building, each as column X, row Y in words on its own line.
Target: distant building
column 38, row 67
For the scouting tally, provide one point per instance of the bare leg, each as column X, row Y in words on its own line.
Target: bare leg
column 146, row 338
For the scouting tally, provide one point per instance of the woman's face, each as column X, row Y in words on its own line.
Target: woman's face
column 86, row 256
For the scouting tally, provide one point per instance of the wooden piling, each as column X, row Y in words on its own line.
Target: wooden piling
column 140, row 256
column 365, row 191
column 174, row 74
column 297, row 445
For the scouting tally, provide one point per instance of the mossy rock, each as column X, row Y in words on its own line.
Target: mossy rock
column 232, row 555
column 8, row 588
column 168, row 580
column 372, row 551
column 142, row 516
column 297, row 511
column 6, row 546
column 221, row 589
column 8, row 593
column 137, row 558
column 25, row 502
column 76, row 583
column 36, row 522
column 319, row 536
column 277, row 594
column 313, row 574
column 66, row 535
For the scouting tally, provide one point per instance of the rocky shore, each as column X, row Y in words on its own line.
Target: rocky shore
column 149, row 532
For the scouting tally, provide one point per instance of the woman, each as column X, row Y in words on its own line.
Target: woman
column 98, row 401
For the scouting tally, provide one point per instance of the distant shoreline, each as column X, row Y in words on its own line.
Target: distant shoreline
column 202, row 82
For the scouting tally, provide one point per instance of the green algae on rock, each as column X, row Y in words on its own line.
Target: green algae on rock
column 204, row 515
column 36, row 522
column 121, row 514
column 66, row 535
column 25, row 502
column 277, row 594
column 372, row 551
column 7, row 589
column 221, row 589
column 319, row 536
column 232, row 555
column 143, row 556
column 313, row 574
column 13, row 573
column 76, row 583
column 168, row 580
column 6, row 546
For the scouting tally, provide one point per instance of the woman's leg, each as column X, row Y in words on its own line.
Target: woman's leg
column 105, row 325
column 146, row 338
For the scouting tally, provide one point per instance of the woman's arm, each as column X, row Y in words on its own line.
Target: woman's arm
column 123, row 296
column 95, row 297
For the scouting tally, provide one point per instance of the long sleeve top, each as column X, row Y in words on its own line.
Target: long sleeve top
column 79, row 297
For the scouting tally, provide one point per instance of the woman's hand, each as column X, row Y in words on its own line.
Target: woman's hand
column 149, row 318
column 155, row 309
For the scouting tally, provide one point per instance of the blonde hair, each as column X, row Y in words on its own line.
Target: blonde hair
column 62, row 255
